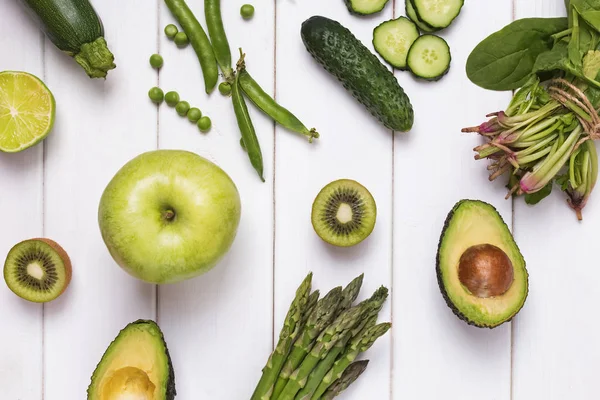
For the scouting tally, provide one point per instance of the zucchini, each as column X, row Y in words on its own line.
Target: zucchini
column 429, row 58
column 437, row 13
column 365, row 7
column 412, row 14
column 76, row 29
column 359, row 71
column 392, row 40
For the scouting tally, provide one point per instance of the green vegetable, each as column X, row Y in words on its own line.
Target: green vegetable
column 438, row 14
column 412, row 14
column 350, row 292
column 429, row 58
column 270, row 107
column 245, row 124
column 194, row 114
column 156, row 95
column 204, row 124
column 247, row 11
column 171, row 30
column 393, row 39
column 172, row 98
column 182, row 108
column 199, row 41
column 218, row 38
column 181, row 39
column 505, row 59
column 359, row 345
column 359, row 70
column 76, row 29
column 291, row 329
column 225, row 88
column 365, row 7
column 350, row 375
column 242, row 144
column 325, row 311
column 156, row 61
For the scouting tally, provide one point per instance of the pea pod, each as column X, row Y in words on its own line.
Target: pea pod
column 199, row 41
column 246, row 127
column 218, row 38
column 270, row 107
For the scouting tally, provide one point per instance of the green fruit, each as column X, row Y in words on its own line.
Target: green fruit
column 38, row 270
column 169, row 215
column 27, row 110
column 480, row 269
column 136, row 365
column 344, row 213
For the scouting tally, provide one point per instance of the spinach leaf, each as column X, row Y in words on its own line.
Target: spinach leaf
column 589, row 10
column 505, row 59
column 534, row 198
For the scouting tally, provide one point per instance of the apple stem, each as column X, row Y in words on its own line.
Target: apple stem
column 169, row 215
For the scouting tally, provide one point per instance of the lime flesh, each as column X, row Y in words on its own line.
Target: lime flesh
column 27, row 110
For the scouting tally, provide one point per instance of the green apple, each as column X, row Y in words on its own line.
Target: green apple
column 169, row 215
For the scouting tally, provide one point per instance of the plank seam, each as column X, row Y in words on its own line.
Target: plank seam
column 392, row 336
column 158, row 48
column 512, row 324
column 274, row 174
column 44, row 149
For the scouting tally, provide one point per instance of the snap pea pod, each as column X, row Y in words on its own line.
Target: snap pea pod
column 246, row 127
column 199, row 41
column 218, row 38
column 270, row 107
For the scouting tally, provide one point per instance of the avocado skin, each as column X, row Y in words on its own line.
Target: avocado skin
column 438, row 269
column 171, row 391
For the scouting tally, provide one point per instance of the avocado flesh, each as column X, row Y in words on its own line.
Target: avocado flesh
column 472, row 223
column 136, row 366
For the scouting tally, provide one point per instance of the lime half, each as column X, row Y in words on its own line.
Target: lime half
column 27, row 109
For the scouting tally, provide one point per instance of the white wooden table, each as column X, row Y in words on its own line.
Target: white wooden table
column 220, row 327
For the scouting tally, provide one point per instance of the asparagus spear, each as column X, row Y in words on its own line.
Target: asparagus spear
column 351, row 292
column 289, row 333
column 372, row 307
column 323, row 314
column 337, row 331
column 316, row 376
column 348, row 378
column 311, row 303
column 357, row 346
column 325, row 342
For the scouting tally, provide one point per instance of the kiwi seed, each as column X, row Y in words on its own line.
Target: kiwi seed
column 38, row 270
column 344, row 213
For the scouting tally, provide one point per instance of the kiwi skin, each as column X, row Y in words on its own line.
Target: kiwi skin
column 64, row 257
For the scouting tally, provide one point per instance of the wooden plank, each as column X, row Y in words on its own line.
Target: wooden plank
column 555, row 341
column 21, row 183
column 352, row 145
column 434, row 169
column 219, row 325
column 100, row 126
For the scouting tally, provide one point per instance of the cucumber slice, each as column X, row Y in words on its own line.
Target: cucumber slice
column 429, row 57
column 393, row 39
column 438, row 13
column 412, row 14
column 365, row 7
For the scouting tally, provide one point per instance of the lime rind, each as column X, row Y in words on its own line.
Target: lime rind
column 27, row 111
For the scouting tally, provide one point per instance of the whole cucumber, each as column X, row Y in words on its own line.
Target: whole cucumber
column 359, row 70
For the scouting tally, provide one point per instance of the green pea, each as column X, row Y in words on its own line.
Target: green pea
column 182, row 108
column 194, row 114
column 156, row 61
column 204, row 124
column 156, row 95
column 247, row 11
column 172, row 98
column 181, row 39
column 171, row 30
column 225, row 88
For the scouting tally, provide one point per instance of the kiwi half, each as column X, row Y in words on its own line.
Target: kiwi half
column 37, row 270
column 344, row 213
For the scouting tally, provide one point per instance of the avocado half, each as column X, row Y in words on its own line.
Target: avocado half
column 474, row 224
column 136, row 365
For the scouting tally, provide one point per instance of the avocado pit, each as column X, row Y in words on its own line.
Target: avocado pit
column 129, row 383
column 486, row 271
